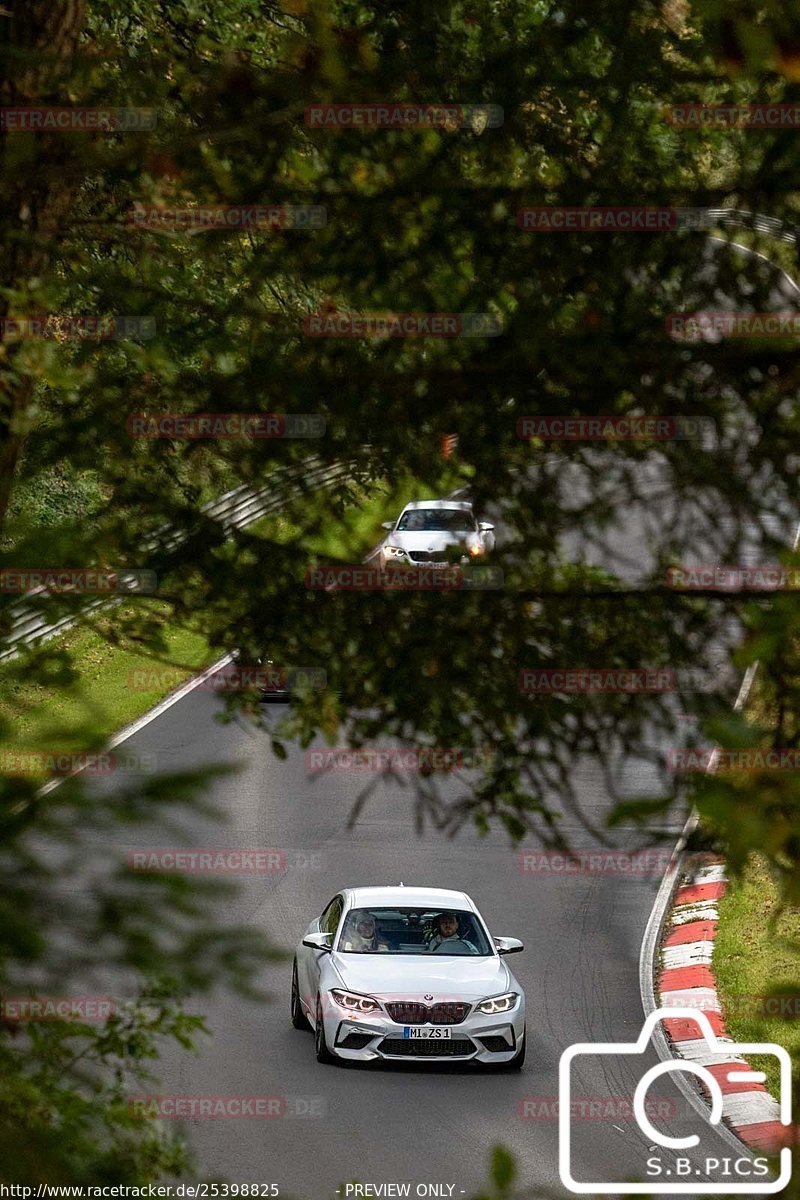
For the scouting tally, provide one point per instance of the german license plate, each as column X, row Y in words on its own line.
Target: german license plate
column 440, row 1033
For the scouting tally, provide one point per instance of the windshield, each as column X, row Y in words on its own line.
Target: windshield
column 413, row 931
column 437, row 520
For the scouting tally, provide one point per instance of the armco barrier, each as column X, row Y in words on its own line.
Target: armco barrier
column 236, row 509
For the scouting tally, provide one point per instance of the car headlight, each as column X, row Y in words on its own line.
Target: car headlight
column 355, row 1003
column 498, row 1004
column 397, row 551
column 476, row 550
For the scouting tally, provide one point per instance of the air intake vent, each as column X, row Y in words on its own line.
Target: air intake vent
column 427, row 1047
column 355, row 1041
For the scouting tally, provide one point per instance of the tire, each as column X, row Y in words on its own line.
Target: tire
column 323, row 1053
column 299, row 1018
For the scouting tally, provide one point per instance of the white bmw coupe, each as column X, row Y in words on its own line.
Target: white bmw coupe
column 407, row 973
column 432, row 532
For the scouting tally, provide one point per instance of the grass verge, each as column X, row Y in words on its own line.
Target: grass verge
column 757, row 954
column 80, row 708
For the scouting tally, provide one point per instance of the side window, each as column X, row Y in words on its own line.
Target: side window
column 329, row 921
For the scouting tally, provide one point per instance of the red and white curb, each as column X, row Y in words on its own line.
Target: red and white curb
column 685, row 979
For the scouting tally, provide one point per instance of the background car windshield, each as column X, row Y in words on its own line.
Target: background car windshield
column 437, row 520
column 411, row 931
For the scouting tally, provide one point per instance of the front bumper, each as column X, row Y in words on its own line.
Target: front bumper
column 480, row 1038
column 434, row 564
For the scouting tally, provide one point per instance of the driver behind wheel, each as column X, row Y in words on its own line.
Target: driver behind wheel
column 447, row 938
column 363, row 935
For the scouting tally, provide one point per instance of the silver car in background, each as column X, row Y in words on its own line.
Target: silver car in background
column 435, row 533
column 408, row 974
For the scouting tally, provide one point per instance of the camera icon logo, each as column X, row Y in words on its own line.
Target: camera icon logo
column 755, row 1184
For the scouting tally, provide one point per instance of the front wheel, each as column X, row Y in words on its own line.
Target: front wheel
column 323, row 1053
column 299, row 1018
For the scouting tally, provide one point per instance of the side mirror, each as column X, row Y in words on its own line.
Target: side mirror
column 485, row 527
column 387, row 524
column 508, row 945
column 318, row 941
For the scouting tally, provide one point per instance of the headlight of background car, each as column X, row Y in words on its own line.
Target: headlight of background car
column 499, row 1004
column 476, row 550
column 354, row 1002
column 395, row 551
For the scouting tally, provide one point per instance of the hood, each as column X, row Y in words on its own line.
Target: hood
column 411, row 976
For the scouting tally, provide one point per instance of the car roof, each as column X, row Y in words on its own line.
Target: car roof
column 413, row 897
column 464, row 505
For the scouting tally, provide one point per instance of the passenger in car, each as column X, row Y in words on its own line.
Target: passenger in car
column 363, row 935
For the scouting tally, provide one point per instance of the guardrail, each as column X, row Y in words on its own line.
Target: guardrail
column 742, row 219
column 236, row 509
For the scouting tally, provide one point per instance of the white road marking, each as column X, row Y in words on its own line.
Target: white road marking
column 129, row 730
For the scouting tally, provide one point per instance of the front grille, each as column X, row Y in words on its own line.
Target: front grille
column 495, row 1044
column 427, row 1047
column 356, row 1041
column 427, row 556
column 412, row 1012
